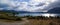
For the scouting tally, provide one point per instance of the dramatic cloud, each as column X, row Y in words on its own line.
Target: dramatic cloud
column 29, row 5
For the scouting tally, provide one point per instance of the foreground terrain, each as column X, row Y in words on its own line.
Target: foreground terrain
column 26, row 21
column 9, row 18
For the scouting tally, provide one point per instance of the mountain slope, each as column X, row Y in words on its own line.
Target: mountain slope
column 55, row 10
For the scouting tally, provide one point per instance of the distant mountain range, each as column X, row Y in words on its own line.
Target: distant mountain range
column 7, row 11
column 19, row 11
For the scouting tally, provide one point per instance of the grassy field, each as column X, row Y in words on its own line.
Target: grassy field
column 34, row 21
column 44, row 22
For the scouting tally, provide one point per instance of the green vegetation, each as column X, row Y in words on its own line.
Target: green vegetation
column 9, row 16
column 42, row 17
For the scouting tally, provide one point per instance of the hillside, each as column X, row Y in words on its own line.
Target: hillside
column 55, row 10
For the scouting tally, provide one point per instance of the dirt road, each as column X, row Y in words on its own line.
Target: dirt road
column 24, row 22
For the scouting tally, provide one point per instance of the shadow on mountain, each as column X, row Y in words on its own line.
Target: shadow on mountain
column 55, row 10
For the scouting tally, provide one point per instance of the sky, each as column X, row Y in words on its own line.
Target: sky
column 29, row 5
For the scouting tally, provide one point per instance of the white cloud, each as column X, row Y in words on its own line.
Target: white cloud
column 41, row 8
column 23, row 6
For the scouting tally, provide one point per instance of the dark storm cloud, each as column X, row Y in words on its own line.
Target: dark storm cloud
column 52, row 5
column 40, row 4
